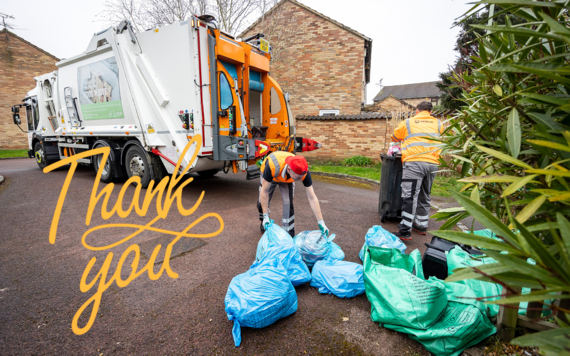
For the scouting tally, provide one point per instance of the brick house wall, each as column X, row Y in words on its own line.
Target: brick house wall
column 20, row 62
column 346, row 138
column 323, row 67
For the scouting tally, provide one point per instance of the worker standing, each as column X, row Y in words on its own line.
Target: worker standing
column 420, row 157
column 284, row 169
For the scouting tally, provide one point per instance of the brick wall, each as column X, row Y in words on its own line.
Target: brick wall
column 322, row 65
column 415, row 102
column 347, row 138
column 19, row 64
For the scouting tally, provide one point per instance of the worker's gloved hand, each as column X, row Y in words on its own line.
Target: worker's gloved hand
column 266, row 220
column 323, row 227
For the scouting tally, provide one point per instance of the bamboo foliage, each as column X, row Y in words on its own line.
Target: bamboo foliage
column 511, row 143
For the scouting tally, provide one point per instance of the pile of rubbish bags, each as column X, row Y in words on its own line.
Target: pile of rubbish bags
column 266, row 293
column 444, row 317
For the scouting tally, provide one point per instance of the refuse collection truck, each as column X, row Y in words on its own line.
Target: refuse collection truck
column 145, row 95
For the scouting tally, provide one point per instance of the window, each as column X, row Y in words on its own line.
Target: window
column 434, row 101
column 275, row 103
column 331, row 112
column 226, row 97
column 29, row 118
column 36, row 112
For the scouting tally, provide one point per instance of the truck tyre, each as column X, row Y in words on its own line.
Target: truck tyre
column 136, row 164
column 109, row 169
column 209, row 173
column 40, row 156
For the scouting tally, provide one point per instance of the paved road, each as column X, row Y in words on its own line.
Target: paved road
column 39, row 282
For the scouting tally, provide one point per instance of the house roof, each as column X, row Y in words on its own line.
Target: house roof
column 398, row 100
column 367, row 40
column 409, row 91
column 28, row 43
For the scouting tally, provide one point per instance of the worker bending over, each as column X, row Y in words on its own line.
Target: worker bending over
column 284, row 169
column 420, row 157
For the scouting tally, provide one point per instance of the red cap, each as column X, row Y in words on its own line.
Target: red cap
column 298, row 164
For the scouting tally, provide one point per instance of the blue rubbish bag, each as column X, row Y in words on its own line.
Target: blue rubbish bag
column 276, row 243
column 314, row 246
column 341, row 278
column 260, row 297
column 379, row 237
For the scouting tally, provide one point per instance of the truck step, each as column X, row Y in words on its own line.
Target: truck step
column 253, row 172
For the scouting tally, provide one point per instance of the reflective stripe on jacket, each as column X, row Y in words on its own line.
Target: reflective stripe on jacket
column 414, row 133
column 276, row 162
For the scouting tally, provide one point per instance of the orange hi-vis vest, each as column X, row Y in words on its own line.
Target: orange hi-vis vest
column 415, row 133
column 276, row 162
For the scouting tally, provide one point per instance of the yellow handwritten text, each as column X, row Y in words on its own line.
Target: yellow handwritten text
column 165, row 197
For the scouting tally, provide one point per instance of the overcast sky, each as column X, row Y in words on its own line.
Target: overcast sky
column 412, row 39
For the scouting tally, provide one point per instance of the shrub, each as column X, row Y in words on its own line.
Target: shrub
column 357, row 161
column 512, row 141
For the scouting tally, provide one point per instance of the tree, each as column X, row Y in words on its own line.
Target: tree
column 233, row 15
column 466, row 47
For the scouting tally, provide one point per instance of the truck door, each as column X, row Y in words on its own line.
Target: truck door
column 275, row 111
column 231, row 119
column 32, row 117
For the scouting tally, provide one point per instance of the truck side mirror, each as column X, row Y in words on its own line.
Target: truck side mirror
column 17, row 120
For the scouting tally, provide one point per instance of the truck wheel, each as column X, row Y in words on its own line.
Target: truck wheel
column 39, row 154
column 208, row 173
column 108, row 169
column 136, row 164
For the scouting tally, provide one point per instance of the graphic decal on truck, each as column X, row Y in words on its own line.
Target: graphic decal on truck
column 99, row 91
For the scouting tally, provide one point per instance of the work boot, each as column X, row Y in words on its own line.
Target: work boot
column 420, row 230
column 403, row 235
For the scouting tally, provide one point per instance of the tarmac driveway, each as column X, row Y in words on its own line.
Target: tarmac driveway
column 40, row 282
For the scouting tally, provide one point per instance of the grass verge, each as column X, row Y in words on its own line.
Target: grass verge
column 442, row 186
column 13, row 153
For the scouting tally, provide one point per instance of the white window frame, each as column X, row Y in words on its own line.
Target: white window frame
column 334, row 112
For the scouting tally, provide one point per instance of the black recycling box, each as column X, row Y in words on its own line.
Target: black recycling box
column 435, row 261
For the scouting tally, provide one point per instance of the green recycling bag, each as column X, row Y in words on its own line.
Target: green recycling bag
column 446, row 321
column 396, row 288
column 464, row 323
column 458, row 258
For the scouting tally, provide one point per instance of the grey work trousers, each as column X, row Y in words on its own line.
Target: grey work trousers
column 417, row 179
column 287, row 194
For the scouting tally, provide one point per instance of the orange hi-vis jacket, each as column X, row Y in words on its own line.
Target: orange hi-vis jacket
column 415, row 132
column 276, row 162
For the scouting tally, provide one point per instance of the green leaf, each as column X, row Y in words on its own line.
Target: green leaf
column 542, row 73
column 549, row 172
column 475, row 196
column 564, row 230
column 541, row 255
column 494, row 178
column 488, row 220
column 451, row 222
column 538, row 338
column 553, row 145
column 491, row 269
column 503, row 157
column 541, row 227
column 497, row 89
column 545, row 119
column 537, row 296
column 514, row 133
column 475, row 240
column 530, row 209
column 518, row 184
column 519, row 31
column 546, row 98
column 521, row 266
